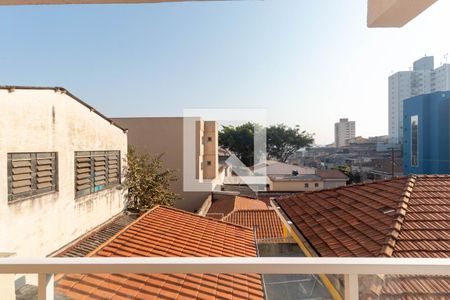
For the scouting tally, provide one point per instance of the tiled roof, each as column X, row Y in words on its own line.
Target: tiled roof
column 97, row 237
column 425, row 231
column 404, row 217
column 346, row 221
column 266, row 222
column 169, row 232
column 415, row 288
column 220, row 208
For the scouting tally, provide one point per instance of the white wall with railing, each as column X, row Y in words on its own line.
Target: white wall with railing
column 349, row 267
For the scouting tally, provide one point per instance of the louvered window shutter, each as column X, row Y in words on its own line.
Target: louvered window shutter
column 96, row 170
column 113, row 167
column 31, row 174
column 83, row 169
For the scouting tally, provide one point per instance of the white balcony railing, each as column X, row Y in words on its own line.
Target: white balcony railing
column 349, row 267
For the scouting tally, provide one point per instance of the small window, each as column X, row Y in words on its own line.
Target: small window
column 209, row 162
column 209, row 139
column 316, row 184
column 306, row 185
column 31, row 174
column 414, row 141
column 95, row 171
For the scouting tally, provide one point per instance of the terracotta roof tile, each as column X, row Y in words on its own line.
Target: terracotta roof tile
column 96, row 237
column 220, row 208
column 346, row 221
column 169, row 232
column 404, row 217
column 266, row 222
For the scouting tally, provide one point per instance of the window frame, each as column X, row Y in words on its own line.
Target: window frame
column 414, row 159
column 34, row 192
column 94, row 188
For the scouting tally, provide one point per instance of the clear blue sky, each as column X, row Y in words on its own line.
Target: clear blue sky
column 307, row 62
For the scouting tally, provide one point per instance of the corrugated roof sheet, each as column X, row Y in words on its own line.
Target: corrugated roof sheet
column 169, row 232
column 97, row 237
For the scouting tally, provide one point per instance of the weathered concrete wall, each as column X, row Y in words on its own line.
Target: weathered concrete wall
column 165, row 135
column 50, row 121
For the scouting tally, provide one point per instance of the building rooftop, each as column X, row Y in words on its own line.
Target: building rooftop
column 300, row 177
column 266, row 222
column 168, row 232
column 12, row 88
column 95, row 238
column 220, row 208
column 279, row 168
column 403, row 217
column 331, row 174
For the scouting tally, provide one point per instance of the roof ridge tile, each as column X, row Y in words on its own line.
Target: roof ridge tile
column 391, row 239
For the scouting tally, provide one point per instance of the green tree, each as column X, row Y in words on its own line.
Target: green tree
column 239, row 140
column 147, row 180
column 353, row 177
column 283, row 141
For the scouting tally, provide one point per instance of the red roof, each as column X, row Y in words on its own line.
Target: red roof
column 404, row 217
column 266, row 222
column 346, row 221
column 169, row 232
column 220, row 208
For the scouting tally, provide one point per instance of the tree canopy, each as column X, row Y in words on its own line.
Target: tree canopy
column 147, row 180
column 282, row 141
column 239, row 140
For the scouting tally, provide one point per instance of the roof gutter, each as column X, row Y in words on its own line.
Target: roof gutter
column 304, row 245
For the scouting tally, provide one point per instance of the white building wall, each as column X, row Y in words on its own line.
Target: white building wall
column 344, row 130
column 49, row 121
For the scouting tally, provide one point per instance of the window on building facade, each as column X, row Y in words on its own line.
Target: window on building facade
column 209, row 162
column 414, row 141
column 316, row 184
column 209, row 139
column 306, row 185
column 31, row 174
column 95, row 171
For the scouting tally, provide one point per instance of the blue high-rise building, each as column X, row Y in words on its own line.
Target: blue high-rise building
column 426, row 131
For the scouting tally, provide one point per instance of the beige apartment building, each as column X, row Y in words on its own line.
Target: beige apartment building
column 168, row 136
column 60, row 162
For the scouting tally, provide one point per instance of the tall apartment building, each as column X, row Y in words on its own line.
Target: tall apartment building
column 423, row 79
column 344, row 130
